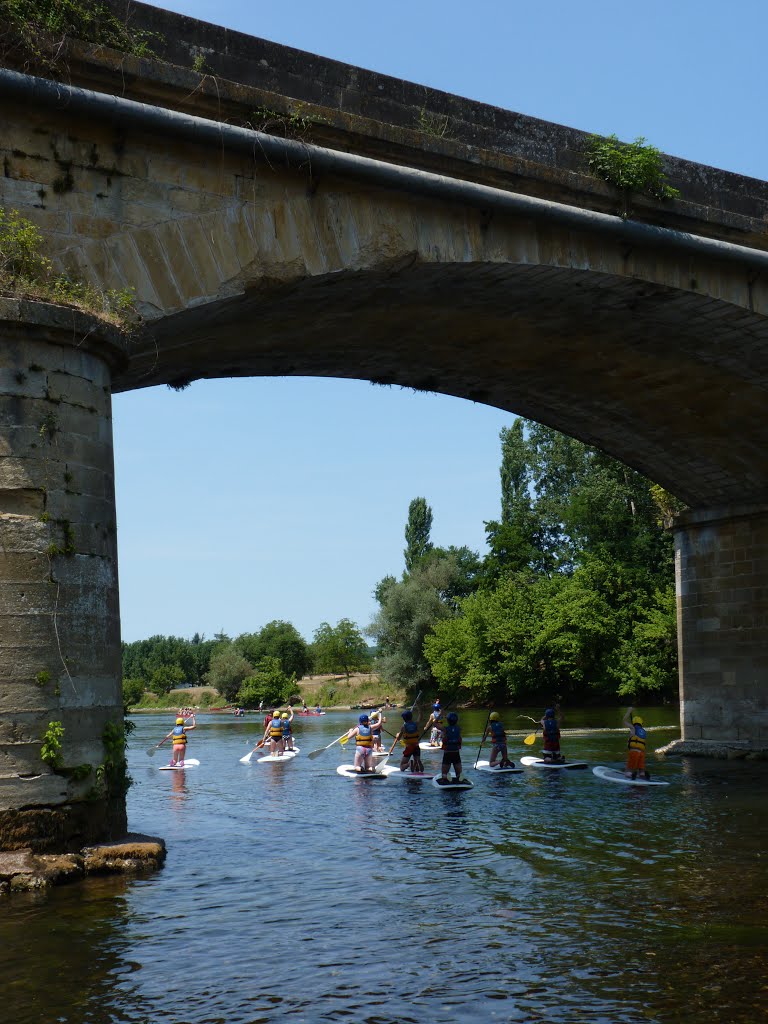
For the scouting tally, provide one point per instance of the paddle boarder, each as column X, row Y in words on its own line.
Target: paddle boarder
column 274, row 732
column 635, row 746
column 377, row 723
column 495, row 728
column 285, row 724
column 178, row 736
column 451, row 741
column 550, row 727
column 363, row 734
column 435, row 722
column 409, row 736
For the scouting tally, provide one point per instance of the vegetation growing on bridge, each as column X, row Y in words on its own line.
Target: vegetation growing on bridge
column 37, row 30
column 633, row 167
column 26, row 272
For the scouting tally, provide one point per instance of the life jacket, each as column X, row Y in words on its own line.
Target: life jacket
column 452, row 738
column 550, row 729
column 364, row 736
column 286, row 726
column 410, row 734
column 637, row 739
column 275, row 729
column 497, row 732
column 179, row 737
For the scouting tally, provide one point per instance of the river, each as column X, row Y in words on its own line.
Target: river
column 292, row 893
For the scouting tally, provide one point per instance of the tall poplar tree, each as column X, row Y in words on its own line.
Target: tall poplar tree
column 417, row 531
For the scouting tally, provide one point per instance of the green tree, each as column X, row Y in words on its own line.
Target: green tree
column 133, row 691
column 340, row 648
column 269, row 684
column 417, row 532
column 228, row 671
column 279, row 640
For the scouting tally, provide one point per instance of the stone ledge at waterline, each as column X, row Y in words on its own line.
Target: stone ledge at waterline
column 23, row 870
column 731, row 750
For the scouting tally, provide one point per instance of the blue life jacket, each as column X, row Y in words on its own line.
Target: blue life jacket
column 452, row 738
column 497, row 732
column 550, row 728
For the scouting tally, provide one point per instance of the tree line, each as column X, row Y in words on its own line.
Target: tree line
column 248, row 669
column 574, row 599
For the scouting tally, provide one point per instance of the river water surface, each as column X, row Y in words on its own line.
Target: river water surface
column 291, row 893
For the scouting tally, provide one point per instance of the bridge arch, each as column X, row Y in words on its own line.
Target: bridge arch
column 253, row 258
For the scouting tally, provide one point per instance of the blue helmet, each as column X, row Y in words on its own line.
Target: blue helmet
column 453, row 718
column 407, row 715
column 549, row 713
column 362, row 719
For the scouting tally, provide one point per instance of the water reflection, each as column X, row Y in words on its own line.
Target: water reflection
column 289, row 890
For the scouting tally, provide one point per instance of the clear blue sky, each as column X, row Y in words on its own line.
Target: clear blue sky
column 242, row 501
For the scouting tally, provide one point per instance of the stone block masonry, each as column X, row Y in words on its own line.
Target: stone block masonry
column 59, row 613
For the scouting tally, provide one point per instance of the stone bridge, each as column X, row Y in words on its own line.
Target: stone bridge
column 283, row 214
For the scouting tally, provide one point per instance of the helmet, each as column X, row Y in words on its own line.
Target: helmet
column 549, row 713
column 494, row 716
column 284, row 714
column 179, row 721
column 276, row 713
column 453, row 718
column 407, row 716
column 637, row 720
column 363, row 718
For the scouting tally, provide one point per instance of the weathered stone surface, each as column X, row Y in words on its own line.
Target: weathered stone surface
column 129, row 854
column 712, row 748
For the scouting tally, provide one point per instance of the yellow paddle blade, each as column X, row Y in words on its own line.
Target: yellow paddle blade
column 530, row 740
column 344, row 740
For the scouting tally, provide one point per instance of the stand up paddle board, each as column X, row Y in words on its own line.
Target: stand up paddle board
column 287, row 755
column 451, row 783
column 484, row 766
column 189, row 762
column 539, row 762
column 350, row 772
column 428, row 746
column 613, row 775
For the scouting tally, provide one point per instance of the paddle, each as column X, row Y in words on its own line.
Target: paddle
column 482, row 741
column 249, row 755
column 530, row 739
column 315, row 753
column 151, row 750
column 379, row 767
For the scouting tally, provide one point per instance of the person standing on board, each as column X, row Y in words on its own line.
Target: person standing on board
column 377, row 723
column 363, row 734
column 274, row 732
column 550, row 727
column 635, row 745
column 437, row 724
column 178, row 736
column 451, row 749
column 409, row 737
column 285, row 724
column 498, row 736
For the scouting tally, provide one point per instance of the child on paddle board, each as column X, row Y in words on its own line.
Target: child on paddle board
column 409, row 737
column 285, row 724
column 550, row 726
column 178, row 736
column 377, row 723
column 495, row 728
column 451, row 740
column 274, row 733
column 437, row 724
column 363, row 734
column 635, row 746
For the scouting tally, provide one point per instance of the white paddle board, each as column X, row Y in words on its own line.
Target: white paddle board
column 428, row 746
column 614, row 775
column 539, row 762
column 452, row 784
column 484, row 766
column 189, row 762
column 350, row 772
column 287, row 755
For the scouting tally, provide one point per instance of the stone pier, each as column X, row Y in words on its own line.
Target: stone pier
column 62, row 771
column 721, row 572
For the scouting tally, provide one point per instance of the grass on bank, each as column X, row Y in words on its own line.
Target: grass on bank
column 329, row 691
